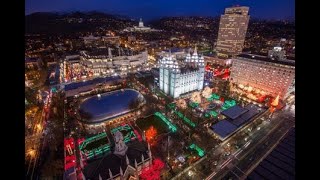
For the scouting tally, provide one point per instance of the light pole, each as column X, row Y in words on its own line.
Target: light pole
column 168, row 147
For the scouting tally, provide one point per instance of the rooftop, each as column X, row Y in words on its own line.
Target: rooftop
column 252, row 110
column 90, row 82
column 187, row 69
column 113, row 162
column 174, row 50
column 98, row 52
column 280, row 163
column 234, row 112
column 266, row 59
column 70, row 174
column 236, row 118
column 30, row 60
column 103, row 51
column 223, row 128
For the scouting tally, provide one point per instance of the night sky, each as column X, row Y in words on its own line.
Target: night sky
column 151, row 9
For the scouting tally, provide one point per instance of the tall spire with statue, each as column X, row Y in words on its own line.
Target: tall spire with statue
column 120, row 148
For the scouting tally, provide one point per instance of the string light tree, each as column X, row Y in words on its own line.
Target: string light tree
column 273, row 105
column 151, row 133
column 206, row 93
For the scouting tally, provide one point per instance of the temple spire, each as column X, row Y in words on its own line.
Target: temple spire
column 121, row 172
column 109, row 52
column 135, row 163
column 195, row 50
column 150, row 156
column 127, row 160
column 110, row 174
column 144, row 136
column 142, row 158
column 149, row 152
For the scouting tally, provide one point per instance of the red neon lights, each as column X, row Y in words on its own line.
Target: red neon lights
column 153, row 172
column 138, row 135
column 70, row 158
column 151, row 133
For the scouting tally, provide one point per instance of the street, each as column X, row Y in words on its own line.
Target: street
column 254, row 146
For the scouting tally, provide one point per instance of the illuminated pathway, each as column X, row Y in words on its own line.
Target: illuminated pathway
column 35, row 140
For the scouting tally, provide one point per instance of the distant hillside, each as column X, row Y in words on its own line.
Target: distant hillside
column 180, row 23
column 64, row 23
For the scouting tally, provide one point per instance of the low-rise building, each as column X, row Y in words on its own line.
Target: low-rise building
column 102, row 61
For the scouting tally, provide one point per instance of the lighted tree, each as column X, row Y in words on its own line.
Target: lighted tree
column 275, row 102
column 196, row 97
column 151, row 133
column 271, row 109
column 206, row 93
column 181, row 103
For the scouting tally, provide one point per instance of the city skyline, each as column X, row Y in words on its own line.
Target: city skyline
column 148, row 10
column 188, row 96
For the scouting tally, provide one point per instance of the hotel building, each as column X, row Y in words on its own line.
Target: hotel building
column 271, row 75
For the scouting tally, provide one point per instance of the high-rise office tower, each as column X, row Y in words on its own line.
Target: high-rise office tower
column 232, row 30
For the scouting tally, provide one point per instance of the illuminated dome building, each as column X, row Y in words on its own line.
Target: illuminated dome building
column 140, row 28
column 177, row 78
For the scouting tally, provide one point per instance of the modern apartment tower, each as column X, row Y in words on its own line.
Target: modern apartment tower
column 232, row 31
